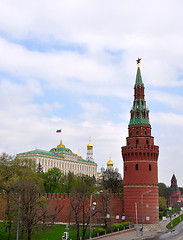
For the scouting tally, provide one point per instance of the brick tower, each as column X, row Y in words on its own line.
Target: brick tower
column 174, row 192
column 140, row 157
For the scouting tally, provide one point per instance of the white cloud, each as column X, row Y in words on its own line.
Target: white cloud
column 91, row 47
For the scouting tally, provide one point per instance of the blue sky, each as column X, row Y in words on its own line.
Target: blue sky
column 72, row 65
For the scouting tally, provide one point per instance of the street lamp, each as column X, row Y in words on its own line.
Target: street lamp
column 142, row 207
column 94, row 203
column 178, row 202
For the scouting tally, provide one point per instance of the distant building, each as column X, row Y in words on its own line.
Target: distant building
column 175, row 196
column 64, row 159
column 109, row 166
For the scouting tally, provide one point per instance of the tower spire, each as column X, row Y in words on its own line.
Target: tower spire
column 139, row 112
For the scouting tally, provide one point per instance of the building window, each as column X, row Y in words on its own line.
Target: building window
column 149, row 167
column 144, row 114
column 147, row 142
column 137, row 133
column 145, row 133
column 137, row 143
column 136, row 167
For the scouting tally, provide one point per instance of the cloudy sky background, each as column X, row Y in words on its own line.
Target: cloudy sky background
column 72, row 65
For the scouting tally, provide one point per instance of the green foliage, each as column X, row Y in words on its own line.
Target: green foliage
column 19, row 177
column 56, row 182
column 120, row 226
column 163, row 190
column 175, row 222
column 53, row 180
column 111, row 181
column 162, row 204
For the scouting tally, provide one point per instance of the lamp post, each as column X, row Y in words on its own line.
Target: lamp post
column 178, row 202
column 90, row 214
column 94, row 203
column 18, row 216
column 142, row 207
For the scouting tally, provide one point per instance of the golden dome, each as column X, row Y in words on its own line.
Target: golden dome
column 61, row 145
column 110, row 163
column 89, row 144
column 98, row 172
column 79, row 155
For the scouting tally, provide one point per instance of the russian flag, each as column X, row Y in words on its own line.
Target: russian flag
column 58, row 131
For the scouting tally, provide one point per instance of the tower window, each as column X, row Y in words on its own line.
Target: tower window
column 147, row 142
column 137, row 142
column 145, row 133
column 144, row 114
column 125, row 167
column 137, row 114
column 136, row 167
column 137, row 133
column 149, row 167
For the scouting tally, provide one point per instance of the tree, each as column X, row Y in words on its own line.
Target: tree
column 163, row 190
column 104, row 208
column 53, row 180
column 112, row 181
column 80, row 202
column 33, row 206
column 8, row 178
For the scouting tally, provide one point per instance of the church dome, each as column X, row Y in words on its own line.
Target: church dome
column 110, row 163
column 89, row 144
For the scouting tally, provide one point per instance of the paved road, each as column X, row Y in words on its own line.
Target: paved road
column 176, row 234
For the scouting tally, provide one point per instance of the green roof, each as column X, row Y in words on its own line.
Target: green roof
column 83, row 160
column 139, row 112
column 61, row 150
column 141, row 108
column 41, row 152
column 138, row 78
column 54, row 153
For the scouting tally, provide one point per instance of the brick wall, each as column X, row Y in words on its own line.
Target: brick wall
column 62, row 201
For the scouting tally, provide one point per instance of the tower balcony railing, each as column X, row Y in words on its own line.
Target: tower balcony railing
column 145, row 147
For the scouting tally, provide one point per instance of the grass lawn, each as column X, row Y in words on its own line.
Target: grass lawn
column 54, row 232
column 175, row 221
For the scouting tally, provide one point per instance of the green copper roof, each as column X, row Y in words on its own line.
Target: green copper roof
column 142, row 113
column 37, row 151
column 61, row 150
column 139, row 112
column 54, row 153
column 173, row 177
column 138, row 78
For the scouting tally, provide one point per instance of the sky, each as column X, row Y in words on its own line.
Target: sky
column 72, row 65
